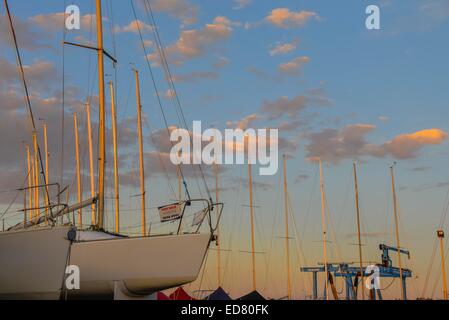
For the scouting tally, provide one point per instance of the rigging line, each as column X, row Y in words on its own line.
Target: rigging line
column 89, row 63
column 27, row 98
column 300, row 256
column 435, row 242
column 270, row 247
column 15, row 197
column 437, row 279
column 333, row 235
column 61, row 178
column 228, row 257
column 406, row 244
column 341, row 214
column 170, row 79
column 309, row 205
column 167, row 74
column 155, row 87
column 204, row 270
column 146, row 122
column 164, row 63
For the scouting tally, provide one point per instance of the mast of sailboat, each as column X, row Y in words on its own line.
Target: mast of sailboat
column 217, row 200
column 114, row 138
column 101, row 123
column 91, row 160
column 36, row 177
column 30, row 182
column 287, row 251
column 323, row 226
column 142, row 167
column 396, row 223
column 46, row 169
column 253, row 254
column 440, row 234
column 78, row 166
column 359, row 235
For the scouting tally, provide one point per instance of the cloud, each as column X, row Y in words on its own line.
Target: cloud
column 221, row 62
column 286, row 126
column 195, row 76
column 134, row 27
column 436, row 10
column 421, row 169
column 283, row 48
column 407, row 146
column 300, row 178
column 180, row 9
column 286, row 19
column 169, row 94
column 53, row 22
column 195, row 43
column 256, row 185
column 244, row 123
column 28, row 36
column 284, row 106
column 431, row 186
column 38, row 75
column 334, row 145
column 293, row 67
column 241, row 4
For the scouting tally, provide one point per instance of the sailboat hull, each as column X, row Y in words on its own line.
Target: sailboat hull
column 33, row 262
column 141, row 265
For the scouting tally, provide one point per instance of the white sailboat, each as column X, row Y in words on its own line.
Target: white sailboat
column 34, row 258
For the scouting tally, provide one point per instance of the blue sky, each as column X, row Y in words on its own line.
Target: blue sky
column 378, row 84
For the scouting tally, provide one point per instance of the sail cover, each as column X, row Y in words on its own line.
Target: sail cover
column 218, row 294
column 252, row 296
column 180, row 294
column 162, row 296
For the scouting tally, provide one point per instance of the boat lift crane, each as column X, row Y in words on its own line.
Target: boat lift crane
column 351, row 274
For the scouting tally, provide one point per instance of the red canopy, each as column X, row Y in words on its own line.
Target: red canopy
column 180, row 294
column 162, row 296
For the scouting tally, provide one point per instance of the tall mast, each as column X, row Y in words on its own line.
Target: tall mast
column 78, row 171
column 396, row 222
column 25, row 190
column 91, row 160
column 142, row 168
column 114, row 138
column 217, row 199
column 323, row 226
column 36, row 177
column 287, row 251
column 178, row 169
column 359, row 236
column 253, row 254
column 46, row 170
column 440, row 234
column 30, row 182
column 101, row 124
